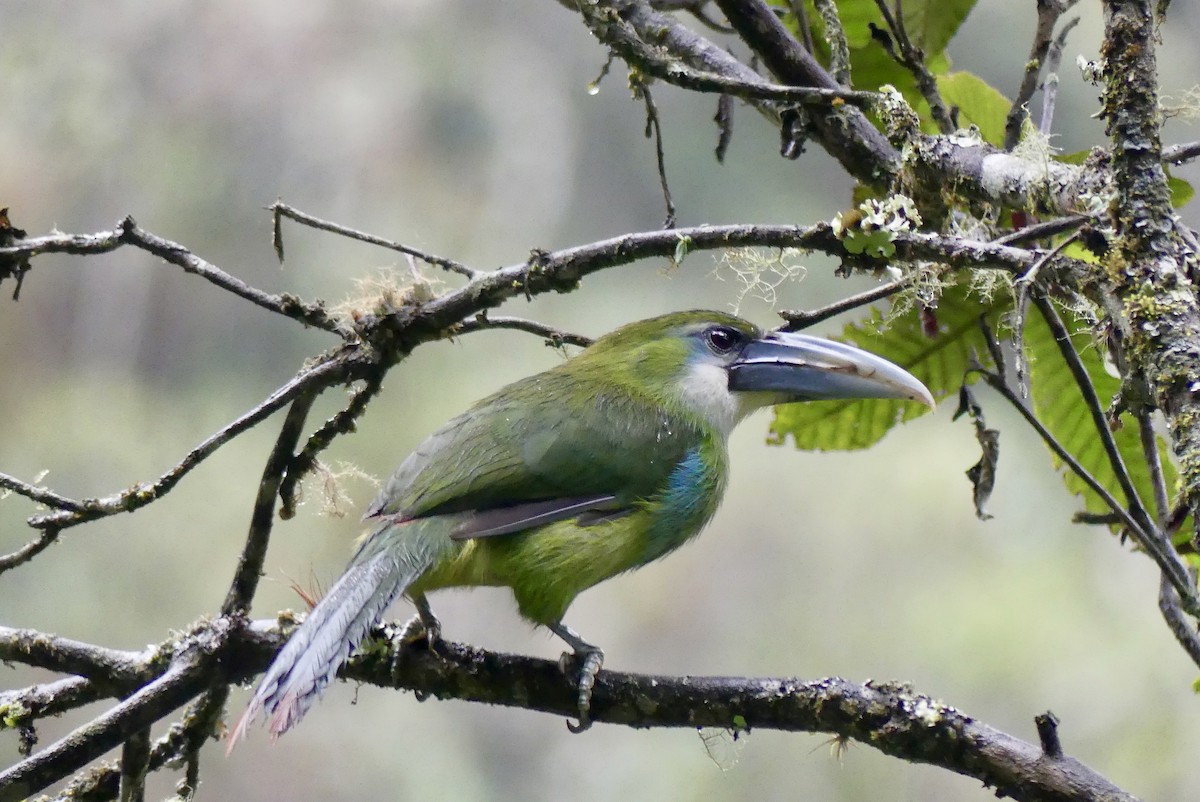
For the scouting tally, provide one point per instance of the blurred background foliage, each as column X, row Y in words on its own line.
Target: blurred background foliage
column 465, row 128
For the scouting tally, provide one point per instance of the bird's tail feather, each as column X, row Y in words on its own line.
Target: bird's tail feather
column 312, row 656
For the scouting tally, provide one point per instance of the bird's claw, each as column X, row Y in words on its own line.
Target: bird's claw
column 416, row 629
column 590, row 661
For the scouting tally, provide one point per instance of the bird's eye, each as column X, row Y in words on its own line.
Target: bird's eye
column 723, row 339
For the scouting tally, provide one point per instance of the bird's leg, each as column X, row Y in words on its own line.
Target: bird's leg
column 422, row 626
column 589, row 658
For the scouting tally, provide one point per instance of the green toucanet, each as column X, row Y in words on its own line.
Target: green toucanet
column 606, row 462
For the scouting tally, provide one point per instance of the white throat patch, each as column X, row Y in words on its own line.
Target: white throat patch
column 705, row 390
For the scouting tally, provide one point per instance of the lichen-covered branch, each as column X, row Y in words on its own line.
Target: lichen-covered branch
column 893, row 718
column 1160, row 318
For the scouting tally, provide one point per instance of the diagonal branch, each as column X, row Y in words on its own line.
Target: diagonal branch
column 321, row 375
column 254, row 553
column 611, row 24
column 1049, row 12
column 912, row 58
column 1146, row 533
column 280, row 210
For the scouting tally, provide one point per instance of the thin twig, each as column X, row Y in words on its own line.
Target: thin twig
column 616, row 31
column 1182, row 627
column 54, row 698
column 1050, row 85
column 128, row 233
column 654, row 129
column 1048, row 13
column 1023, row 286
column 39, row 494
column 30, row 550
column 1043, row 230
column 845, row 133
column 279, row 209
column 323, row 374
column 117, row 667
column 1168, row 599
column 312, row 314
column 341, row 423
column 797, row 319
column 1149, row 439
column 254, row 552
column 1146, row 533
column 999, row 385
column 554, row 337
column 912, row 58
column 800, row 14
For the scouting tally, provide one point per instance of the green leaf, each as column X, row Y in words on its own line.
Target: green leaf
column 930, row 24
column 939, row 361
column 1059, row 404
column 1181, row 191
column 978, row 103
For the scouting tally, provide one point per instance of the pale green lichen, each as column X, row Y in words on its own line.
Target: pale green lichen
column 760, row 272
column 328, row 485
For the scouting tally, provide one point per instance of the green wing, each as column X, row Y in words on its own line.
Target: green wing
column 520, row 459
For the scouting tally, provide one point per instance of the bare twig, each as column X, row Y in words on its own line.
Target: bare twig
column 1043, row 230
column 114, row 667
column 329, row 371
column 1168, row 598
column 912, row 58
column 1147, row 534
column 39, row 494
column 1178, row 154
column 800, row 14
column 797, row 320
column 245, row 580
column 279, row 210
column 127, row 232
column 54, row 698
column 341, row 423
column 1049, row 12
column 845, row 133
column 1050, row 85
column 1023, row 286
column 654, row 129
column 556, row 338
column 30, row 550
column 997, row 383
column 1162, row 506
column 725, row 75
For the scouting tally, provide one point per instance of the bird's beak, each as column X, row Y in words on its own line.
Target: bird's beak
column 804, row 368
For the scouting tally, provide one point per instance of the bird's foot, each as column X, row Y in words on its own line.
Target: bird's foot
column 416, row 630
column 587, row 660
column 424, row 626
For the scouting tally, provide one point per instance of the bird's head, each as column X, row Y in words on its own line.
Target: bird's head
column 723, row 367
